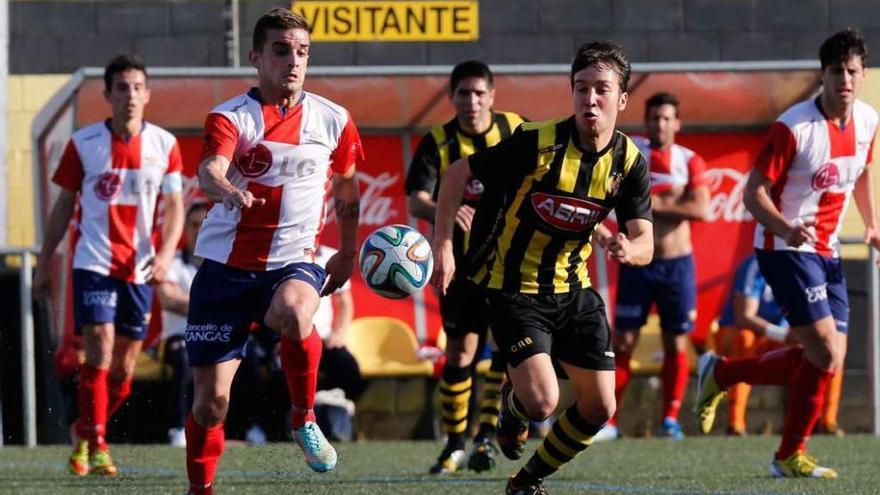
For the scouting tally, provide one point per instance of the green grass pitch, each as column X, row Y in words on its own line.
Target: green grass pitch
column 712, row 465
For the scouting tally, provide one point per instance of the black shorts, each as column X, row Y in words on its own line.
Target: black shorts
column 571, row 328
column 464, row 309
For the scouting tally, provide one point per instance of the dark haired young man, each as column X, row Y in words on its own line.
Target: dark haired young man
column 679, row 195
column 114, row 170
column 270, row 156
column 476, row 126
column 552, row 183
column 816, row 157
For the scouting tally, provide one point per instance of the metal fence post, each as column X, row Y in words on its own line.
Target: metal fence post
column 28, row 371
column 874, row 339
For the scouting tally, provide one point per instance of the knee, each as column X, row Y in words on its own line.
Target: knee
column 625, row 342
column 597, row 412
column 297, row 324
column 457, row 355
column 539, row 406
column 210, row 411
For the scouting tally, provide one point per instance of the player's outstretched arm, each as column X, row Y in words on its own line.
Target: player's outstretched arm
column 636, row 247
column 56, row 227
column 215, row 185
column 448, row 200
column 347, row 205
column 756, row 198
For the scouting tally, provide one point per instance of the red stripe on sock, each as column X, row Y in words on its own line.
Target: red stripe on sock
column 675, row 379
column 771, row 368
column 92, row 395
column 299, row 360
column 805, row 398
column 204, row 446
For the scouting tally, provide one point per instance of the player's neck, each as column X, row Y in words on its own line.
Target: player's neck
column 279, row 99
column 837, row 112
column 480, row 128
column 126, row 128
column 595, row 142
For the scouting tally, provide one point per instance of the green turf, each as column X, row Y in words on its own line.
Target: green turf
column 630, row 466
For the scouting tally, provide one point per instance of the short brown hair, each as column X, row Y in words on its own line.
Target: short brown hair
column 119, row 64
column 842, row 46
column 660, row 99
column 606, row 53
column 277, row 18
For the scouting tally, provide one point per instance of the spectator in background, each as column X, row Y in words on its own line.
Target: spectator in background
column 114, row 170
column 173, row 296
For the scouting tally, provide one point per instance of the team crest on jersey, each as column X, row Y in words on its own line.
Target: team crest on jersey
column 613, row 185
column 473, row 190
column 108, row 186
column 565, row 213
column 827, row 176
column 255, row 162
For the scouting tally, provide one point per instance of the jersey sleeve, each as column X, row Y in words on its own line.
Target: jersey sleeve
column 635, row 195
column 172, row 181
column 696, row 172
column 424, row 169
column 778, row 152
column 221, row 137
column 69, row 173
column 349, row 149
column 508, row 162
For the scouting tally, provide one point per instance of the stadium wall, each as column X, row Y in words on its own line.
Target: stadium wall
column 59, row 36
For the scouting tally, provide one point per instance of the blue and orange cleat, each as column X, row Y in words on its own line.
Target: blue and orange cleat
column 671, row 429
column 319, row 454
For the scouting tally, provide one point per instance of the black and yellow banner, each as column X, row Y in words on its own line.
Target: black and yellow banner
column 365, row 20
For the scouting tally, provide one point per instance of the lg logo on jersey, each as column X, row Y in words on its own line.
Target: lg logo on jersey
column 816, row 293
column 827, row 176
column 108, row 186
column 257, row 161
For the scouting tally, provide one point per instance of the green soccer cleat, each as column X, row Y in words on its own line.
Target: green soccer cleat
column 100, row 463
column 709, row 393
column 78, row 463
column 800, row 465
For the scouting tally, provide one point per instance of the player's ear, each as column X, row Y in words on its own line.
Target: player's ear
column 621, row 103
column 254, row 57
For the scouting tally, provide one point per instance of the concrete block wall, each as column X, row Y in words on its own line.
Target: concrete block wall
column 58, row 36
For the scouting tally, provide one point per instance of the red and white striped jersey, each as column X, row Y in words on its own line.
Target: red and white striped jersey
column 119, row 183
column 288, row 160
column 675, row 166
column 813, row 165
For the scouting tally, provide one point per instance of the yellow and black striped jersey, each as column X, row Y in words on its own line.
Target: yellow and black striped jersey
column 544, row 195
column 445, row 144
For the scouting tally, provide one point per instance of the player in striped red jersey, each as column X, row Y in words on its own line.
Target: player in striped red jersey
column 817, row 156
column 115, row 171
column 271, row 157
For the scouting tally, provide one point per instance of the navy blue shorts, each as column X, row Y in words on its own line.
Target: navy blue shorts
column 807, row 286
column 102, row 299
column 224, row 301
column 671, row 284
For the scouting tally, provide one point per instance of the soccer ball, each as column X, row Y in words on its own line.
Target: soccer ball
column 396, row 261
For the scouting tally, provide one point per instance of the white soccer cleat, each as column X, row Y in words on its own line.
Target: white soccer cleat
column 319, row 454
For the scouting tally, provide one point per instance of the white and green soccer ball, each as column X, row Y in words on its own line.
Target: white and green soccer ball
column 396, row 261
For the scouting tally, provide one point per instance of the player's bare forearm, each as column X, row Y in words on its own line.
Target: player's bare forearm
column 172, row 298
column 343, row 313
column 451, row 192
column 172, row 224
column 692, row 205
column 347, row 206
column 422, row 206
column 56, row 226
column 745, row 310
column 863, row 195
column 212, row 177
column 756, row 198
column 640, row 233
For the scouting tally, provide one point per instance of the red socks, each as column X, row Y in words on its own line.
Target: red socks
column 117, row 392
column 675, row 378
column 622, row 375
column 299, row 360
column 204, row 446
column 805, row 398
column 92, row 395
column 771, row 368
